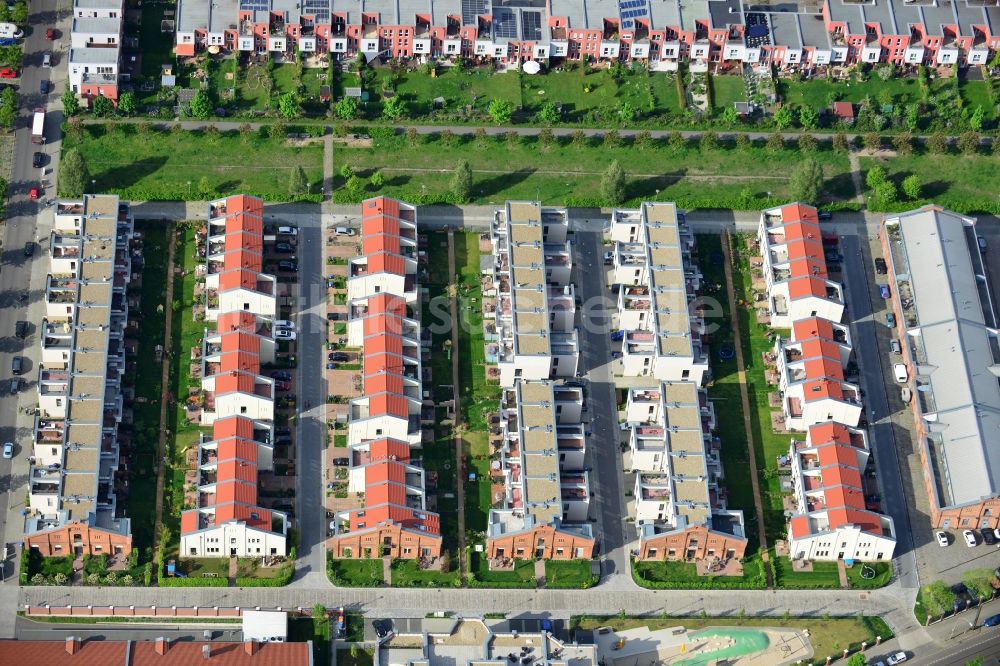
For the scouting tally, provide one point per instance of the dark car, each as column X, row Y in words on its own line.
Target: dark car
column 992, row 621
column 883, row 289
column 281, row 386
column 284, row 248
column 890, row 320
column 338, row 357
column 29, row 248
column 17, row 365
column 382, row 627
column 343, row 462
column 283, row 441
column 21, row 329
column 15, row 385
column 824, row 215
column 880, row 266
column 288, row 266
column 43, row 86
column 989, row 536
column 333, row 316
column 37, row 160
column 282, row 375
column 963, row 597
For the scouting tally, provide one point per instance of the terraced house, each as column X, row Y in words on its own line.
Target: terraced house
column 679, row 503
column 386, row 513
column 536, row 300
column 542, row 489
column 657, row 280
column 801, row 36
column 236, row 399
column 947, row 324
column 72, row 480
column 94, row 59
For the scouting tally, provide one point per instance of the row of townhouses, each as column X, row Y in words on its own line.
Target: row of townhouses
column 947, row 324
column 662, row 33
column 387, row 421
column 71, row 507
column 830, row 520
column 94, row 59
column 679, row 505
column 237, row 400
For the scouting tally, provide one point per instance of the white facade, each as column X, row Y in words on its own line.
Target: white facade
column 96, row 66
column 233, row 538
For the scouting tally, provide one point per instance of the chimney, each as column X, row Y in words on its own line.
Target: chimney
column 250, row 647
column 72, row 644
column 206, row 651
column 162, row 645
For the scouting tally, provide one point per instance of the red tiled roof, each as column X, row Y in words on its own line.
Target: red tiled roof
column 806, row 286
column 46, row 653
column 184, row 653
column 244, row 203
column 380, row 243
column 234, row 448
column 380, row 513
column 813, row 327
column 375, row 363
column 379, row 206
column 385, row 449
column 237, row 320
column 225, row 513
column 233, row 426
column 821, row 389
column 382, row 344
column 235, row 469
column 236, row 491
column 240, row 341
column 868, row 521
column 794, row 212
column 823, row 366
column 234, row 382
column 839, row 455
column 388, row 404
column 829, row 431
column 385, row 493
column 843, row 110
column 385, row 262
column 800, row 526
column 842, row 475
column 384, row 382
column 379, row 224
column 238, row 279
column 189, row 521
column 386, row 303
column 382, row 324
column 241, row 258
column 387, row 470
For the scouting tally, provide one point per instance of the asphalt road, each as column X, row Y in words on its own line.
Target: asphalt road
column 606, row 462
column 28, row 630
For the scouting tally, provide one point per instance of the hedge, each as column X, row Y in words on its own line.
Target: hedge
column 174, row 581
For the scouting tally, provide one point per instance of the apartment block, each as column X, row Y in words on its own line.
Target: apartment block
column 94, row 57
column 542, row 492
column 388, row 261
column 947, row 325
column 798, row 287
column 831, row 521
column 386, row 421
column 657, row 279
column 235, row 259
column 811, row 375
column 661, row 35
column 680, row 506
column 536, row 301
column 71, row 506
column 237, row 400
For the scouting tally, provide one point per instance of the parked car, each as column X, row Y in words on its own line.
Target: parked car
column 880, row 266
column 284, row 248
column 824, row 215
column 29, row 248
column 288, row 266
column 43, row 86
column 17, row 365
column 989, row 536
column 344, row 231
column 890, row 320
column 609, row 258
column 284, row 334
column 970, row 538
column 905, row 395
column 46, row 60
column 894, row 347
column 281, row 386
column 15, row 386
column 282, row 375
column 8, row 450
column 992, row 621
column 343, row 462
column 942, row 538
column 896, row 658
column 982, row 243
column 37, row 160
column 288, row 231
column 50, row 34
column 8, row 73
column 901, row 373
column 339, row 357
column 33, row 193
column 884, row 290
column 283, row 323
column 334, row 316
column 21, row 329
column 382, row 627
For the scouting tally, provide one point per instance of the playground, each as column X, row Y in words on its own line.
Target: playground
column 676, row 646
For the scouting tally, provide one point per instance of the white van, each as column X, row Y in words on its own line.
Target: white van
column 344, row 231
column 288, row 231
column 10, row 31
column 902, row 374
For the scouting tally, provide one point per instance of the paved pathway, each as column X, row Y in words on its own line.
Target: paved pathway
column 165, row 395
column 457, row 392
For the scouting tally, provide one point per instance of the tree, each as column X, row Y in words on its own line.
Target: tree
column 277, row 130
column 355, row 185
column 71, row 105
column 775, row 142
column 873, row 141
column 246, row 132
column 480, row 138
column 8, row 107
column 937, row 143
column 461, row 182
column 808, row 116
column 709, row 141
column 127, row 104
column 807, row 143
column 876, row 176
column 783, row 118
column 807, row 181
column 911, row 186
column 19, row 15
column 977, row 118
column 73, row 174
column 579, row 138
column 613, row 184
column 903, row 143
column 643, row 139
column 102, row 107
column 937, row 598
column 501, row 111
column 742, row 142
column 730, row 116
column 676, row 141
column 912, row 116
column 377, row 180
column 980, row 581
column 969, row 143
column 347, row 108
column 446, row 136
column 612, row 139
column 626, row 112
column 411, row 136
column 394, row 108
column 857, row 659
column 545, row 137
column 204, row 187
column 549, row 113
column 61, row 578
column 840, row 143
column 297, row 182
column 288, row 106
column 346, row 171
column 886, row 193
column 201, row 105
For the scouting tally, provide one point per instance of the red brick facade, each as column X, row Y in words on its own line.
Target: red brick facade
column 694, row 543
column 80, row 539
column 544, row 542
column 385, row 540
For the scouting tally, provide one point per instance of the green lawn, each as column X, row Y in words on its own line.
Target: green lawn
column 966, row 184
column 355, row 573
column 977, row 93
column 883, row 574
column 407, row 573
column 828, row 636
column 819, row 92
column 204, row 567
column 523, row 574
column 301, row 630
column 594, row 96
column 140, row 505
column 569, row 574
column 364, row 657
column 166, row 165
column 682, row 575
column 157, row 46
column 568, row 174
column 823, row 576
column 459, row 89
column 726, row 91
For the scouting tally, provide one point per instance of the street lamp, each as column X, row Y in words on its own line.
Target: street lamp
column 93, row 186
column 189, row 187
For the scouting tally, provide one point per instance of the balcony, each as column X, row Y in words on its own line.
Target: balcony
column 772, row 220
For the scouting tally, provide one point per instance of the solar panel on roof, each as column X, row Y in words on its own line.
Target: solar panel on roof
column 254, row 5
column 319, row 8
column 531, row 26
column 504, row 23
column 757, row 31
column 471, row 9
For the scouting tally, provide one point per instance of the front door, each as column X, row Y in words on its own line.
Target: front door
column 232, row 552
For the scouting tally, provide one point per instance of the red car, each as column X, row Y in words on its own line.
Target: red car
column 8, row 73
column 50, row 34
column 33, row 193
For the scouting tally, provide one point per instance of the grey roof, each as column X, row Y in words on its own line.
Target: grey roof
column 98, row 4
column 959, row 351
column 896, row 17
column 814, row 31
column 98, row 26
column 93, row 56
column 213, row 15
column 785, row 30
